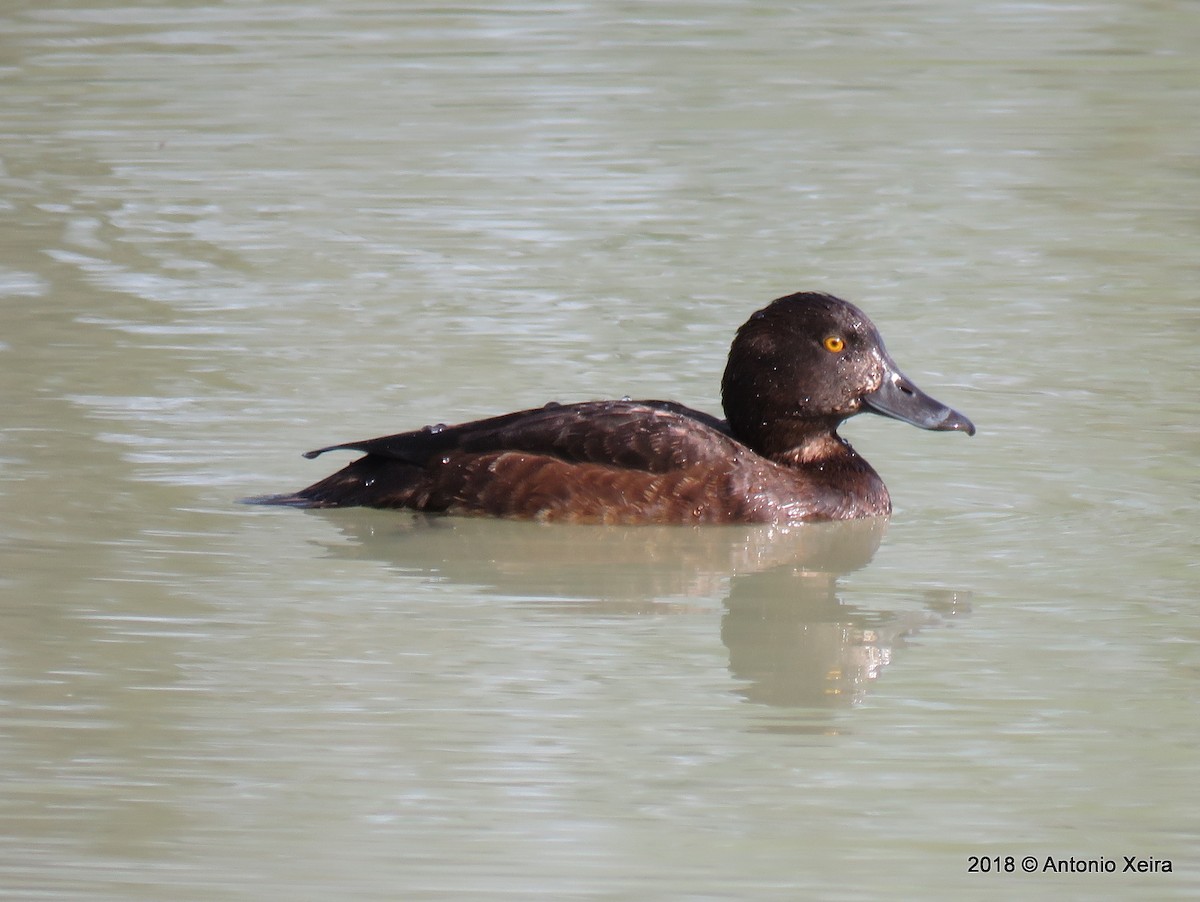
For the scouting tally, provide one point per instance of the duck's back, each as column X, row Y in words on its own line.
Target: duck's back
column 599, row 462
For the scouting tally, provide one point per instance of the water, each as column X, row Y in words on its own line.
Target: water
column 234, row 233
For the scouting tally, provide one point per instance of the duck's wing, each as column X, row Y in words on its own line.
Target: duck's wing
column 651, row 436
column 599, row 461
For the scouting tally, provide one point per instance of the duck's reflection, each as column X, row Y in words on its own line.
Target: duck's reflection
column 795, row 644
column 791, row 641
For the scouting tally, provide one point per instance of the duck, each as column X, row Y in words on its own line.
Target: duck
column 797, row 369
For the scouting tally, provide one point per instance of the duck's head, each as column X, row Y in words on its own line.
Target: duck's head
column 806, row 362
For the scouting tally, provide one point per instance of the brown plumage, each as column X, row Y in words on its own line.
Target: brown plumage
column 797, row 368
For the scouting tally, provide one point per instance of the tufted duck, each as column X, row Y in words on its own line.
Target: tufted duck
column 797, row 369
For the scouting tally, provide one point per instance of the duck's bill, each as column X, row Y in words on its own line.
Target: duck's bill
column 898, row 398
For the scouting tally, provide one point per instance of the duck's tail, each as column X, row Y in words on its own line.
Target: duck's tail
column 370, row 481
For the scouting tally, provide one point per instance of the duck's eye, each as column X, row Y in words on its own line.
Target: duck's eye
column 834, row 344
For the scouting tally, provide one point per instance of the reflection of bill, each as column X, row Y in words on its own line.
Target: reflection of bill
column 791, row 642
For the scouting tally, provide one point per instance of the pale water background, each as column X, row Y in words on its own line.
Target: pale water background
column 230, row 232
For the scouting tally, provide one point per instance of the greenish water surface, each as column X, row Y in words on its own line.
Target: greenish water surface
column 233, row 232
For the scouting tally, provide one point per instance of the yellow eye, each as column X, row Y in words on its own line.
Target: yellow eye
column 833, row 344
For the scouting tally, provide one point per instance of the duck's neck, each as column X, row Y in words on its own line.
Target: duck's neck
column 801, row 443
column 851, row 487
column 815, row 449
